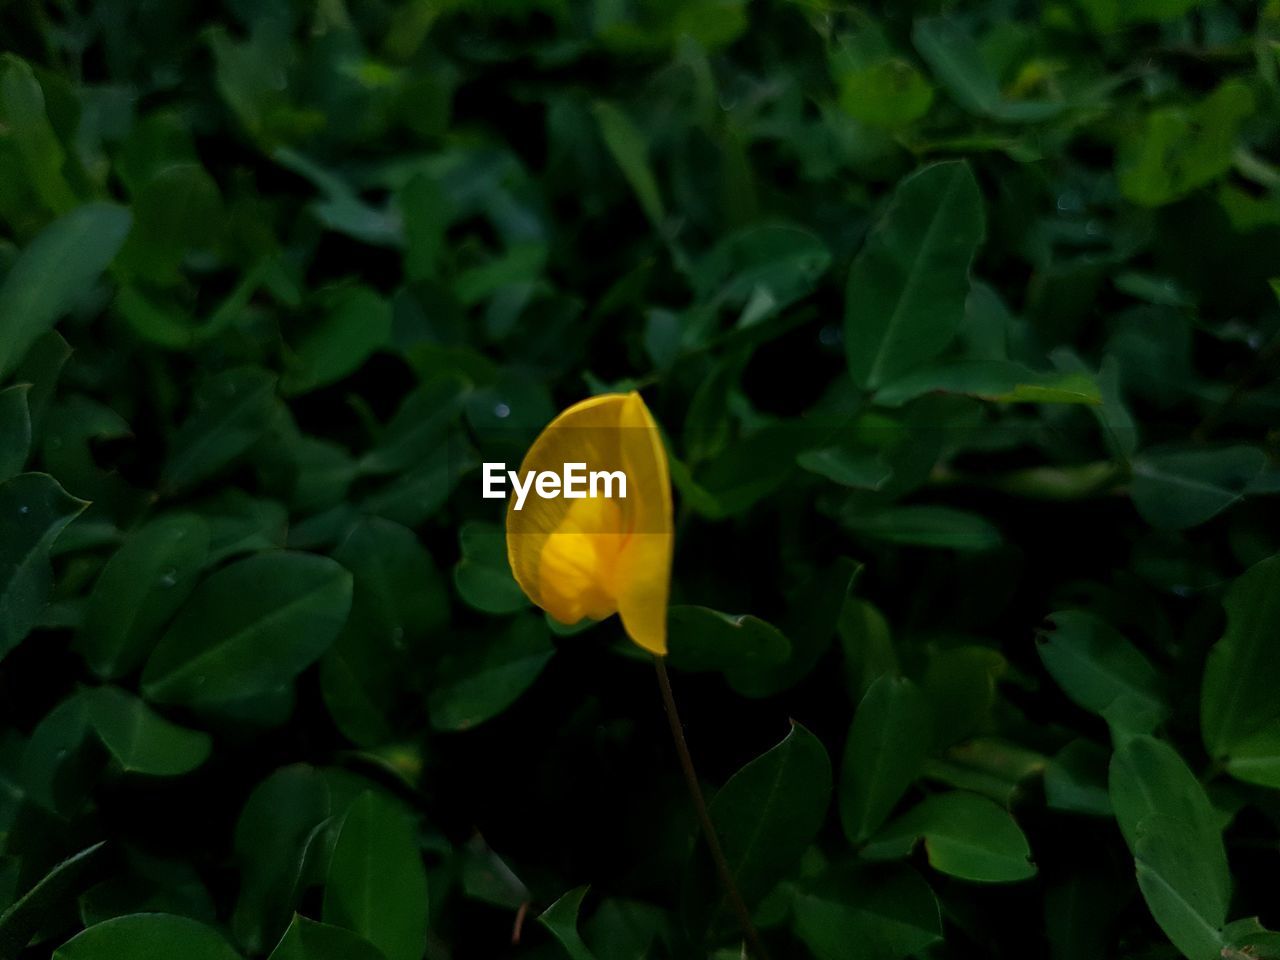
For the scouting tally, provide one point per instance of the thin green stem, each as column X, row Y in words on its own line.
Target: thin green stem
column 731, row 891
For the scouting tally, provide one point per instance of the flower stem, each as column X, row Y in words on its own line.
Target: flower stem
column 731, row 891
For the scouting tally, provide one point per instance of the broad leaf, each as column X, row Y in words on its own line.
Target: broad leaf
column 1102, row 671
column 889, row 912
column 890, row 736
column 1175, row 488
column 249, row 628
column 147, row 936
column 480, row 682
column 965, row 835
column 377, row 885
column 141, row 740
column 56, row 271
column 1238, row 707
column 907, row 290
column 141, row 587
column 34, row 510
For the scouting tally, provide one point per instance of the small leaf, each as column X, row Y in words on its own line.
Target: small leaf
column 147, row 936
column 34, row 510
column 630, row 150
column 1242, row 672
column 561, row 918
column 890, row 736
column 1102, row 671
column 54, row 273
column 1075, row 779
column 141, row 587
column 965, row 835
column 230, row 412
column 999, row 381
column 377, row 885
column 906, row 293
column 888, row 93
column 25, row 117
column 957, row 62
column 140, row 739
column 398, row 600
column 356, row 322
column 925, row 526
column 483, row 576
column 249, row 628
column 1180, row 148
column 482, row 681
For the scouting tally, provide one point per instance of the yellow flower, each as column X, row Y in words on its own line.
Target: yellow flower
column 599, row 555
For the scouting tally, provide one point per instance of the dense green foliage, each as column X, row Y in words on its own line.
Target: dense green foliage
column 961, row 324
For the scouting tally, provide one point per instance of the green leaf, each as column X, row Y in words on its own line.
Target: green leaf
column 924, row 526
column 999, row 381
column 23, row 114
column 965, row 835
column 356, row 322
column 771, row 809
column 1185, row 898
column 630, row 151
column 1180, row 148
column 760, row 271
column 889, row 912
column 888, row 740
column 1075, row 779
column 1110, row 15
column 54, row 273
column 906, row 293
column 147, row 936
column 44, row 902
column 273, row 838
column 140, row 739
column 15, row 430
column 956, row 60
column 231, row 411
column 176, row 211
column 702, row 639
column 1176, row 839
column 249, row 628
column 888, row 93
column 813, row 613
column 480, row 682
column 377, row 885
column 141, row 587
column 398, row 600
column 483, row 576
column 1102, row 671
column 1255, row 757
column 34, row 510
column 308, row 940
column 561, row 918
column 1174, row 489
column 1238, row 706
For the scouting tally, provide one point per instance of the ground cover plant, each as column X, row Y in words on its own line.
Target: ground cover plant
column 960, row 324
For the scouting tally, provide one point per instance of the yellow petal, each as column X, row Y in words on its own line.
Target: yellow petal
column 597, row 556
